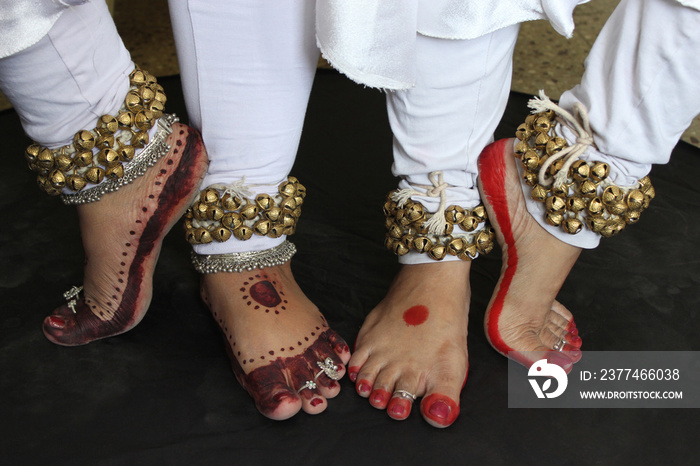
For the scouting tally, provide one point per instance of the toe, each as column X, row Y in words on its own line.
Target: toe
column 273, row 397
column 339, row 345
column 439, row 410
column 382, row 389
column 303, row 380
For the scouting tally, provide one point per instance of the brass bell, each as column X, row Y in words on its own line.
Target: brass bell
column 264, row 201
column 104, row 141
column 84, row 140
column 147, row 93
column 470, row 251
column 539, row 193
column 230, row 202
column 114, row 171
column 296, row 212
column 395, row 231
column 600, row 171
column 635, row 199
column 107, row 124
column 469, row 223
column 521, row 148
column 32, row 152
column 554, row 219
column 214, row 212
column 232, row 220
column 82, row 158
column 57, row 179
column 541, row 140
column 422, row 244
column 243, row 233
column 596, row 207
column 202, row 236
column 274, row 213
column 262, row 227
column 575, row 204
column 632, row 216
column 572, row 226
column 479, row 212
column 437, row 252
column 199, row 210
column 137, row 77
column 556, row 166
column 530, row 120
column 399, row 248
column 221, row 234
column 414, row 212
column 160, row 95
column 76, row 182
column 530, row 178
column 612, row 195
column 618, row 208
column 126, row 152
column 588, row 188
column 139, row 139
column 555, row 204
column 144, row 120
column 596, row 224
column 133, row 101
column 278, row 230
column 209, row 196
column 523, row 132
column 542, row 124
column 580, row 170
column 288, row 203
column 94, row 175
column 555, row 144
column 107, row 156
column 287, row 189
column 456, row 246
column 156, row 107
column 484, row 241
column 126, row 119
column 63, row 162
column 530, row 160
column 249, row 211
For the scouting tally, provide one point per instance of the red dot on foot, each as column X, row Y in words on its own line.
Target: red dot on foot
column 416, row 315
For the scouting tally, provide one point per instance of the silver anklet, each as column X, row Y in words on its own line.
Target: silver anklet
column 240, row 261
column 141, row 162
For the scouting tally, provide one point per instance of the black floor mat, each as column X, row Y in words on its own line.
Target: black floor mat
column 164, row 393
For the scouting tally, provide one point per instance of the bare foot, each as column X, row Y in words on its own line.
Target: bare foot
column 416, row 340
column 523, row 315
column 275, row 338
column 122, row 235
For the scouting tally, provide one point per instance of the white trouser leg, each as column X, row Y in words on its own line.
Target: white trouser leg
column 641, row 88
column 78, row 72
column 449, row 117
column 247, row 67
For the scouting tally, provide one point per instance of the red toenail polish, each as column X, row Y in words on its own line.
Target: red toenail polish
column 57, row 322
column 316, row 401
column 346, row 349
column 398, row 409
column 573, row 340
column 332, row 384
column 440, row 409
column 352, row 373
column 364, row 387
column 379, row 398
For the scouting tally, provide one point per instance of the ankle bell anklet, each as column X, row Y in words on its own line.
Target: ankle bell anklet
column 576, row 193
column 106, row 156
column 407, row 230
column 244, row 261
column 223, row 211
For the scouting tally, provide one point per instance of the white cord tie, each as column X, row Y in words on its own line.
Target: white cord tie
column 578, row 124
column 437, row 224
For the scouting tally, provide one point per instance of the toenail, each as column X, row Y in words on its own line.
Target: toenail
column 364, row 387
column 440, row 409
column 332, row 384
column 352, row 373
column 278, row 397
column 315, row 402
column 57, row 322
column 574, row 340
column 379, row 397
column 398, row 409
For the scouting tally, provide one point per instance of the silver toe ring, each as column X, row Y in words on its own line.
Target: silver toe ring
column 559, row 346
column 328, row 368
column 71, row 295
column 310, row 384
column 404, row 394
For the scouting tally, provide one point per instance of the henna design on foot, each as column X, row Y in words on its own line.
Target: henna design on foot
column 117, row 290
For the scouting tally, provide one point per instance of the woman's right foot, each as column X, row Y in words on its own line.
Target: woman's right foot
column 122, row 235
column 277, row 340
column 523, row 320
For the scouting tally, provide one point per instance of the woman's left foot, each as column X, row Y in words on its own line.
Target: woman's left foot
column 414, row 343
